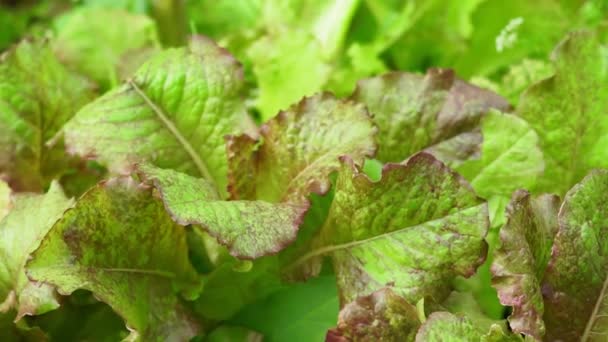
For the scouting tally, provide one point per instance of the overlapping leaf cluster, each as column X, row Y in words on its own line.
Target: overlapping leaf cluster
column 155, row 187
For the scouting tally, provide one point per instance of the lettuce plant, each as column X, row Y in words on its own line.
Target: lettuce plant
column 310, row 171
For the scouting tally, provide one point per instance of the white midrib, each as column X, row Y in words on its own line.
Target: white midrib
column 150, row 272
column 333, row 248
column 588, row 332
column 198, row 162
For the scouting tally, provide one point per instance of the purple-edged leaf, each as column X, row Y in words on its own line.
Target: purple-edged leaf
column 415, row 229
column 21, row 232
column 249, row 229
column 298, row 149
column 576, row 279
column 435, row 111
column 119, row 243
column 381, row 316
column 520, row 261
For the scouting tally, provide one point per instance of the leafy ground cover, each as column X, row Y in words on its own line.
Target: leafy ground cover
column 304, row 170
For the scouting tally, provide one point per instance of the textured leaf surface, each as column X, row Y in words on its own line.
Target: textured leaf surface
column 415, row 112
column 446, row 327
column 5, row 199
column 435, row 233
column 116, row 47
column 299, row 149
column 119, row 243
column 37, row 96
column 381, row 316
column 173, row 113
column 576, row 279
column 510, row 157
column 520, row 261
column 20, row 234
column 568, row 111
column 249, row 229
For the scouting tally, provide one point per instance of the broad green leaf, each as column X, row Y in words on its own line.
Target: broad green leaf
column 228, row 289
column 21, row 232
column 575, row 281
column 521, row 259
column 174, row 113
column 521, row 76
column 38, row 95
column 249, row 229
column 505, row 33
column 446, row 327
column 119, row 243
column 435, row 111
column 568, row 111
column 11, row 332
column 298, row 150
column 117, row 48
column 228, row 333
column 381, row 316
column 299, row 313
column 510, row 157
column 435, row 233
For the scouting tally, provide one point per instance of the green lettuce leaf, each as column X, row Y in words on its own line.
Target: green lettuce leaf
column 5, row 199
column 435, row 111
column 37, row 96
column 228, row 333
column 381, row 316
column 21, row 232
column 521, row 259
column 117, row 50
column 510, row 158
column 568, row 111
column 435, row 233
column 173, row 113
column 119, row 243
column 300, row 313
column 575, row 281
column 299, row 149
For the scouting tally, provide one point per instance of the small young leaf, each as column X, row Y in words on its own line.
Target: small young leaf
column 173, row 113
column 416, row 112
column 21, row 232
column 119, row 243
column 435, row 233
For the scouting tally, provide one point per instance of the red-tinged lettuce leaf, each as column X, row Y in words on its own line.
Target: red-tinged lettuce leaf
column 575, row 281
column 521, row 259
column 249, row 229
column 435, row 111
column 119, row 243
column 86, row 41
column 444, row 326
column 21, row 232
column 174, row 113
column 415, row 229
column 298, row 149
column 568, row 111
column 381, row 316
column 38, row 95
